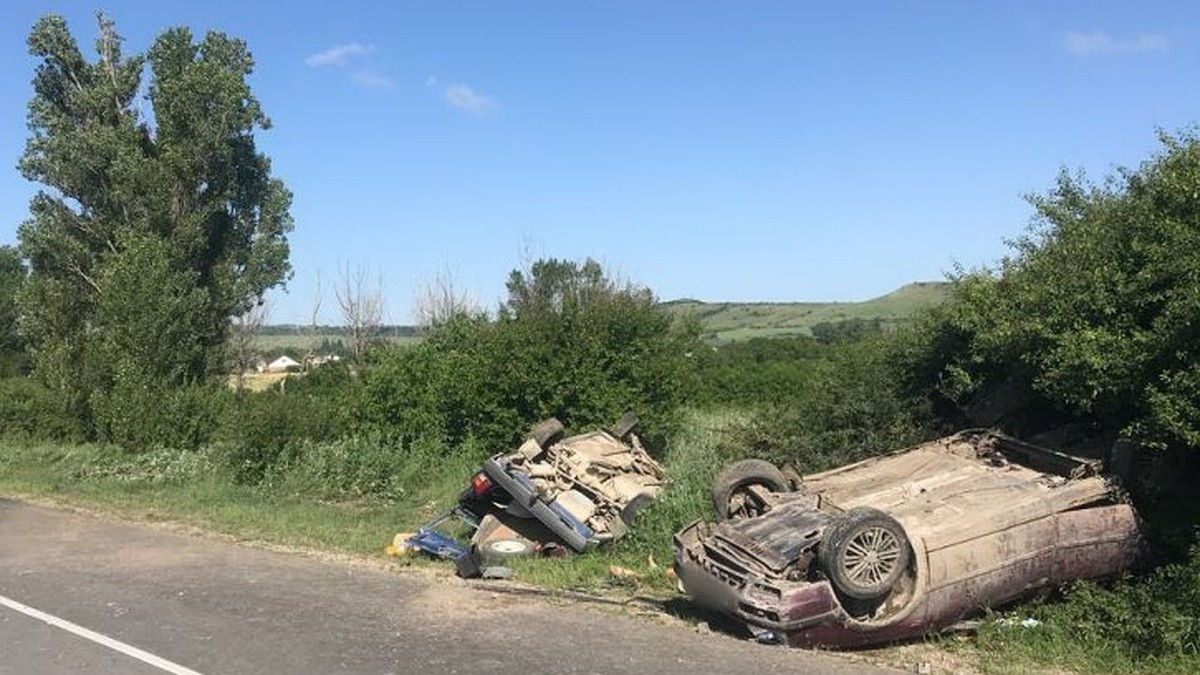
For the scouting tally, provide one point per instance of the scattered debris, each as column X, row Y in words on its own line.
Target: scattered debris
column 1012, row 622
column 623, row 572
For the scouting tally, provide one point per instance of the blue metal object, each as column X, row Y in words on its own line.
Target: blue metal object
column 436, row 543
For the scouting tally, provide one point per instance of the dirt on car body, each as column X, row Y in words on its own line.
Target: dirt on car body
column 902, row 544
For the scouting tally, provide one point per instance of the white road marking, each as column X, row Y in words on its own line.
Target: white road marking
column 116, row 645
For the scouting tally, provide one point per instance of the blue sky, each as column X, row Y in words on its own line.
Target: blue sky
column 765, row 151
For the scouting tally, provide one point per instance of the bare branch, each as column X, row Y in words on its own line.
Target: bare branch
column 440, row 301
column 245, row 328
column 314, row 328
column 362, row 308
column 74, row 267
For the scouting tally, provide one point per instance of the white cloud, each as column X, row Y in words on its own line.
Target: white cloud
column 339, row 55
column 372, row 80
column 467, row 99
column 1098, row 42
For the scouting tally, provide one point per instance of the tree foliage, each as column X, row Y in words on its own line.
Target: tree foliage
column 12, row 277
column 569, row 342
column 849, row 404
column 752, row 372
column 156, row 224
column 1096, row 315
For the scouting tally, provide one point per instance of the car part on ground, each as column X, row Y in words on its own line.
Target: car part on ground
column 578, row 492
column 904, row 544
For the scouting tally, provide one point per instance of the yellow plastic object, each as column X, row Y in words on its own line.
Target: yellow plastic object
column 399, row 547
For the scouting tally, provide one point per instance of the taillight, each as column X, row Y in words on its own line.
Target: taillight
column 480, row 484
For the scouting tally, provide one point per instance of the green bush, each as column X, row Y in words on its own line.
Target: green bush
column 748, row 373
column 1094, row 316
column 854, row 405
column 139, row 414
column 29, row 410
column 570, row 343
column 262, row 427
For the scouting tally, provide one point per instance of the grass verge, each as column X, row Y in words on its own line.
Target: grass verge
column 315, row 501
column 185, row 488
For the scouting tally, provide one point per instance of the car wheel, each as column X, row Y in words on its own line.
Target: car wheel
column 497, row 550
column 547, row 432
column 865, row 553
column 730, row 495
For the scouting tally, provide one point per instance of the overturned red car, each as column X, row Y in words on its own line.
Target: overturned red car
column 903, row 544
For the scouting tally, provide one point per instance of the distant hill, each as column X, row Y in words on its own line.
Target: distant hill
column 727, row 321
column 719, row 321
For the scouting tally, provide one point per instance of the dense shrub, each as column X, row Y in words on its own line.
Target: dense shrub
column 139, row 414
column 855, row 405
column 570, row 343
column 262, row 427
column 452, row 386
column 29, row 410
column 751, row 372
column 1095, row 313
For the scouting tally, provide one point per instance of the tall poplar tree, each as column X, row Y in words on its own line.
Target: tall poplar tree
column 158, row 221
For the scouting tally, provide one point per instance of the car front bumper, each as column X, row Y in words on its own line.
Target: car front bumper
column 772, row 604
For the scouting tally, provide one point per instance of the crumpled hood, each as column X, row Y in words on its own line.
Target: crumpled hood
column 774, row 540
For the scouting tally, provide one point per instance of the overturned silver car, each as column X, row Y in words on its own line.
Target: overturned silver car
column 552, row 493
column 903, row 544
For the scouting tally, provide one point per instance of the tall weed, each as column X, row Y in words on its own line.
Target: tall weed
column 372, row 466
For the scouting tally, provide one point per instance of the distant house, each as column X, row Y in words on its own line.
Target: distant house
column 282, row 365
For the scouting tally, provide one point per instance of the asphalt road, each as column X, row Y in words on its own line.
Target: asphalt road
column 80, row 594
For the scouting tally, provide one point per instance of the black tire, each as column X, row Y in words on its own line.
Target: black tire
column 864, row 553
column 624, row 425
column 547, row 432
column 729, row 494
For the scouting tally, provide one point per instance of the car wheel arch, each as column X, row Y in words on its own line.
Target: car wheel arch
column 919, row 593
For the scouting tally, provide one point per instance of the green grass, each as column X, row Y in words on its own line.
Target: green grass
column 301, row 341
column 727, row 321
column 296, row 506
column 184, row 488
column 1135, row 627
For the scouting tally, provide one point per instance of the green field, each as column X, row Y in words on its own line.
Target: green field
column 299, row 339
column 728, row 321
column 719, row 321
